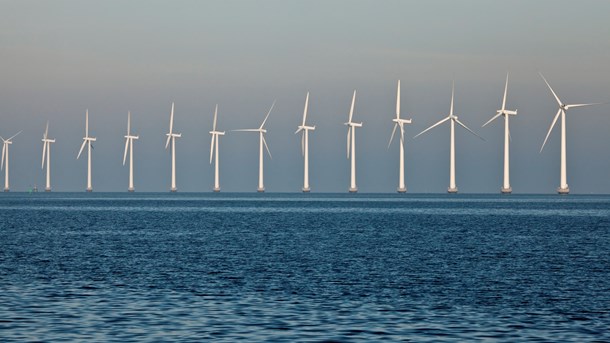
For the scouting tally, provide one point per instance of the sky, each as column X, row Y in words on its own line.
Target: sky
column 59, row 58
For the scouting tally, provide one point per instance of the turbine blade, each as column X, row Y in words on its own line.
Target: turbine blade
column 492, row 119
column 298, row 130
column 349, row 133
column 402, row 135
column 452, row 93
column 212, row 148
column 171, row 121
column 306, row 107
column 46, row 131
column 552, row 91
column 15, row 135
column 505, row 91
column 351, row 111
column 81, row 149
column 431, row 127
column 267, row 116
column 128, row 122
column 3, row 155
column 87, row 123
column 398, row 101
column 466, row 127
column 392, row 136
column 215, row 117
column 551, row 128
column 44, row 153
column 169, row 137
column 126, row 147
column 266, row 146
column 583, row 105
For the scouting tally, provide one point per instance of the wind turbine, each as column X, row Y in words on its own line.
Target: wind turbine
column 351, row 145
column 261, row 131
column 214, row 150
column 506, row 189
column 305, row 145
column 46, row 152
column 399, row 122
column 6, row 143
column 563, row 108
column 454, row 119
column 129, row 146
column 87, row 141
column 171, row 136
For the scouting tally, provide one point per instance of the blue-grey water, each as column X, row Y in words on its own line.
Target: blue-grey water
column 292, row 267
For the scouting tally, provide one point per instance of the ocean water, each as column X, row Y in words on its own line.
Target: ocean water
column 294, row 267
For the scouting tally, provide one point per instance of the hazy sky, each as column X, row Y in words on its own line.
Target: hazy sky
column 58, row 58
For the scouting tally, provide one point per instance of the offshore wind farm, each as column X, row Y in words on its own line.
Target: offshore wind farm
column 316, row 181
column 351, row 145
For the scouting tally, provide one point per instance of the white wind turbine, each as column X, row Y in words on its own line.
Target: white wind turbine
column 261, row 131
column 129, row 138
column 214, row 150
column 351, row 145
column 171, row 136
column 454, row 119
column 6, row 143
column 87, row 141
column 506, row 113
column 399, row 122
column 563, row 108
column 46, row 152
column 305, row 145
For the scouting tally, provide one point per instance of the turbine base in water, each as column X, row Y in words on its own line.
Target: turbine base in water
column 261, row 190
column 306, row 190
column 401, row 190
column 89, row 190
column 353, row 190
column 47, row 189
column 506, row 190
column 216, row 189
column 563, row 190
column 7, row 190
column 173, row 190
column 131, row 189
column 452, row 190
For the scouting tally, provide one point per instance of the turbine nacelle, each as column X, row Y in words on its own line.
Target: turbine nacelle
column 46, row 140
column 352, row 124
column 90, row 139
column 402, row 121
column 220, row 133
column 177, row 135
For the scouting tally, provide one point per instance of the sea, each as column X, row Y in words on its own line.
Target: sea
column 227, row 267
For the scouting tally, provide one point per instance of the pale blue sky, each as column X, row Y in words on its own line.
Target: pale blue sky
column 61, row 57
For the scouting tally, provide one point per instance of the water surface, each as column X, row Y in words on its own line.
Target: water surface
column 293, row 267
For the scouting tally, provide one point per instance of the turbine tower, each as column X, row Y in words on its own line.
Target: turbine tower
column 261, row 131
column 305, row 145
column 87, row 141
column 214, row 150
column 351, row 145
column 6, row 143
column 399, row 122
column 46, row 152
column 129, row 138
column 563, row 108
column 171, row 136
column 506, row 189
column 454, row 119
